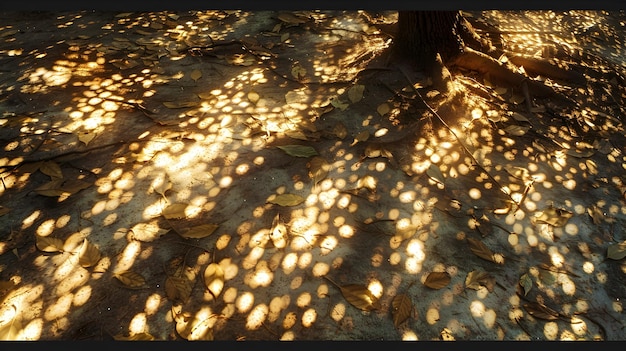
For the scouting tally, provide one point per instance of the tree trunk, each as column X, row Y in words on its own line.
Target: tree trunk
column 424, row 34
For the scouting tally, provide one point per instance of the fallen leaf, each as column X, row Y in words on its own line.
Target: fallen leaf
column 178, row 288
column 402, row 308
column 191, row 328
column 360, row 297
column 297, row 71
column 616, row 251
column 10, row 326
column 526, row 283
column 200, row 231
column 383, row 109
column 86, row 137
column 368, row 182
column 339, row 104
column 88, row 254
column 278, row 232
column 437, row 280
column 195, row 74
column 318, row 168
column 541, row 311
column 175, row 211
column 516, row 130
column 49, row 244
column 435, row 174
column 476, row 279
column 51, row 169
column 286, row 200
column 214, row 279
column 361, row 137
column 180, row 104
column 131, row 279
column 481, row 250
column 298, row 150
column 355, row 93
column 147, row 232
column 553, row 216
column 253, row 97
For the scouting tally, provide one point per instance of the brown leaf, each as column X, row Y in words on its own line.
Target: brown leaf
column 481, row 250
column 49, row 244
column 340, row 130
column 278, row 233
column 286, row 200
column 214, row 279
column 616, row 251
column 88, row 254
column 556, row 217
column 476, row 279
column 175, row 211
column 355, row 93
column 74, row 186
column 318, row 168
column 134, row 337
column 360, row 297
column 190, row 328
column 51, row 189
column 402, row 308
column 196, row 74
column 147, row 232
column 131, row 279
column 178, row 288
column 51, row 169
column 437, row 280
column 200, row 231
column 4, row 210
column 541, row 311
column 526, row 283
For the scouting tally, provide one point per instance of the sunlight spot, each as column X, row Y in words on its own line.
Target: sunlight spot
column 588, row 267
column 556, row 257
column 32, row 331
column 305, row 260
column 256, row 317
column 477, row 308
column 474, row 193
column 571, row 229
column 303, row 300
column 288, row 336
column 60, row 308
column 244, row 302
column 309, row 317
column 432, row 316
column 409, row 335
column 413, row 265
column 338, row 312
column 138, row 324
column 328, row 244
column 415, row 248
column 290, row 320
column 343, row 202
column 395, row 258
column 46, row 228
column 551, row 330
column 376, row 288
column 289, row 262
column 567, row 285
column 152, row 304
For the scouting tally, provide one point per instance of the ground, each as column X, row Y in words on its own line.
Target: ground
column 232, row 175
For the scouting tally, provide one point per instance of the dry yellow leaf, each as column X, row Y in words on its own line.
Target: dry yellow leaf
column 214, row 279
column 402, row 309
column 361, row 137
column 278, row 233
column 178, row 288
column 286, row 200
column 437, row 280
column 196, row 74
column 318, row 168
column 355, row 93
column 147, row 232
column 175, row 211
column 383, row 109
column 49, row 244
column 88, row 254
column 200, row 231
column 51, row 169
column 131, row 279
column 86, row 137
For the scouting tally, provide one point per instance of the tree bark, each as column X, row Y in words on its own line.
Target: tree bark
column 424, row 34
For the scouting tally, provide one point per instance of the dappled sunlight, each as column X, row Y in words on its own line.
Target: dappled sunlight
column 195, row 180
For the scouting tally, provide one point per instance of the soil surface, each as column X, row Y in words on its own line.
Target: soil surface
column 232, row 175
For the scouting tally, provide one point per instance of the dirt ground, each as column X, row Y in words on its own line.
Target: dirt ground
column 232, row 175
